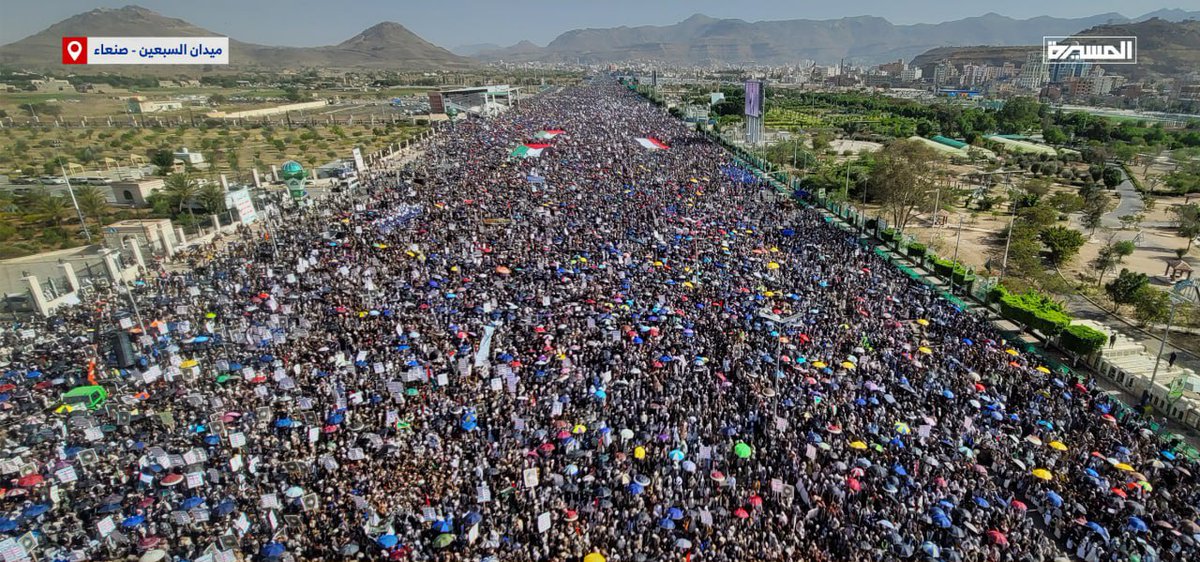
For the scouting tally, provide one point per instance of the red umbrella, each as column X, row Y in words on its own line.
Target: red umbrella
column 171, row 479
column 756, row 500
column 1018, row 505
column 30, row 480
column 741, row 513
column 997, row 537
column 1119, row 492
column 854, row 484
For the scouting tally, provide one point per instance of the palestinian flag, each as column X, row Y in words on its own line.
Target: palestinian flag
column 652, row 143
column 529, row 150
column 548, row 134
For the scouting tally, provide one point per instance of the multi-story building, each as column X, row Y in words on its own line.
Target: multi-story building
column 893, row 68
column 1060, row 72
column 1034, row 73
column 910, row 74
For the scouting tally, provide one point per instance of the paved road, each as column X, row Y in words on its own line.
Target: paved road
column 1131, row 203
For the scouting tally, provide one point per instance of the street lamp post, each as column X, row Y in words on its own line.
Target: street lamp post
column 1177, row 295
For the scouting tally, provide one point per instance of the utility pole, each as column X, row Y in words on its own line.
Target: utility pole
column 79, row 213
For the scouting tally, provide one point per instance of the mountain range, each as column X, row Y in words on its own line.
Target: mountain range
column 865, row 39
column 387, row 44
column 1164, row 48
column 697, row 40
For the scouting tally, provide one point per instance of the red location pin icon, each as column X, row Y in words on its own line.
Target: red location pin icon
column 74, row 50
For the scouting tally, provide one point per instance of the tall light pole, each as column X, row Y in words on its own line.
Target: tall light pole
column 74, row 202
column 1178, row 294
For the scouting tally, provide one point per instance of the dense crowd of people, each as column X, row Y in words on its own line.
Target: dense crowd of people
column 615, row 350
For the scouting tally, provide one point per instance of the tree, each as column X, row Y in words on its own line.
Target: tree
column 181, row 189
column 1095, row 205
column 1124, row 289
column 164, row 159
column 904, row 175
column 1124, row 249
column 47, row 208
column 1187, row 221
column 1053, row 135
column 1151, row 306
column 1112, row 177
column 1104, row 261
column 92, row 203
column 1062, row 243
column 212, row 196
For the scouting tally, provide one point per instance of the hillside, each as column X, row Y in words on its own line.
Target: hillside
column 387, row 44
column 866, row 39
column 1164, row 49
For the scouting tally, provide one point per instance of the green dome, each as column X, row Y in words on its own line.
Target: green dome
column 291, row 170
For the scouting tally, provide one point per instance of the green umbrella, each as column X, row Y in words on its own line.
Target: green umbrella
column 222, row 378
column 443, row 540
column 411, row 391
column 742, row 450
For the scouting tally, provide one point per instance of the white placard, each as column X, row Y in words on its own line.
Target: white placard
column 543, row 522
column 106, row 526
column 237, row 440
column 530, row 476
column 195, row 479
column 66, row 474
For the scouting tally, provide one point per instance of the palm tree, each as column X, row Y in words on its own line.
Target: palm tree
column 41, row 206
column 212, row 197
column 182, row 189
column 92, row 202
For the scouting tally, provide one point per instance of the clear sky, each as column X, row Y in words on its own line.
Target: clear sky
column 460, row 22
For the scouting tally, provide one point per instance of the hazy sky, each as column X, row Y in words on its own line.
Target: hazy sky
column 460, row 22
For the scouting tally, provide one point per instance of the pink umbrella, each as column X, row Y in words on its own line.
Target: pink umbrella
column 741, row 513
column 997, row 537
column 854, row 484
column 756, row 500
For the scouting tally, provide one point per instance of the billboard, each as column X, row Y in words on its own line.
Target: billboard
column 754, row 98
column 240, row 201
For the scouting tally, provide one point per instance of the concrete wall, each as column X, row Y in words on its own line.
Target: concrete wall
column 279, row 109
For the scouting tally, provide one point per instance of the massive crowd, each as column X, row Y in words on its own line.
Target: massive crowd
column 613, row 350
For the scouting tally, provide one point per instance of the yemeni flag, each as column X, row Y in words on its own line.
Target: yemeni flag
column 548, row 134
column 651, row 143
column 529, row 150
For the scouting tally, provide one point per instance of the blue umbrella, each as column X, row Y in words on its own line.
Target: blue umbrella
column 473, row 517
column 1055, row 499
column 7, row 525
column 283, row 422
column 133, row 521
column 335, row 419
column 469, row 421
column 675, row 513
column 35, row 510
column 900, row 470
column 272, row 550
column 1098, row 529
column 635, row 488
column 666, row 523
column 948, row 394
column 443, row 526
column 941, row 519
column 191, row 502
column 225, row 507
column 109, row 508
column 931, row 549
column 1168, row 455
column 1137, row 525
column 387, row 541
column 212, row 439
column 982, row 502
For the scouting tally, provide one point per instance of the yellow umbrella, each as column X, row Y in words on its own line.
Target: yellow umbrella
column 1058, row 445
column 594, row 557
column 772, row 265
column 1041, row 473
column 188, row 364
column 1123, row 466
column 925, row 350
column 819, row 364
column 847, row 364
column 858, row 445
column 1012, row 352
column 639, row 452
column 579, row 428
column 922, row 322
column 902, row 428
column 1043, row 369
